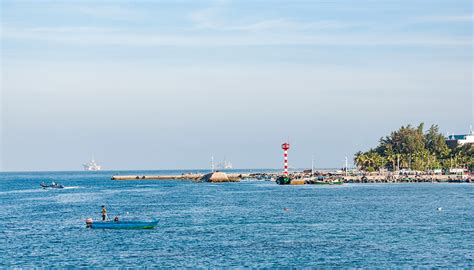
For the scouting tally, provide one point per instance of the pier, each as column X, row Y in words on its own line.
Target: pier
column 210, row 177
column 301, row 178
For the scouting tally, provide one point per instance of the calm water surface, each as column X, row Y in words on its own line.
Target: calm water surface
column 234, row 224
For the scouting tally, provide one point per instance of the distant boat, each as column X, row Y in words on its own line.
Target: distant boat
column 121, row 224
column 53, row 185
column 224, row 165
column 92, row 166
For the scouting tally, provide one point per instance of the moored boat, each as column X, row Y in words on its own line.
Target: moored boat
column 321, row 181
column 283, row 180
column 128, row 224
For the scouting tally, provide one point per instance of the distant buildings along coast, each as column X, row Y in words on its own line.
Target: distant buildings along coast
column 454, row 140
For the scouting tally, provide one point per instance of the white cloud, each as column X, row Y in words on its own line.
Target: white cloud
column 447, row 18
column 115, row 11
column 112, row 36
column 209, row 17
column 214, row 18
column 213, row 27
column 287, row 25
column 73, row 29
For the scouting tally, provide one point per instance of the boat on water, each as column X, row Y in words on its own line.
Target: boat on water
column 92, row 166
column 321, row 182
column 285, row 180
column 128, row 224
column 224, row 165
column 52, row 185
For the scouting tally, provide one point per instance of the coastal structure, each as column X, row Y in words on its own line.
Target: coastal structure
column 210, row 177
column 322, row 177
column 285, row 146
column 285, row 179
column 217, row 177
column 92, row 166
column 454, row 140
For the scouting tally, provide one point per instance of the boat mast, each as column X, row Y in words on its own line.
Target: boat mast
column 212, row 163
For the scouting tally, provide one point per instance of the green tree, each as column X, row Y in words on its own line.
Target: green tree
column 410, row 147
column 436, row 143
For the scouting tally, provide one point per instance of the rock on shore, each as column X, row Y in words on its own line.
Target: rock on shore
column 217, row 177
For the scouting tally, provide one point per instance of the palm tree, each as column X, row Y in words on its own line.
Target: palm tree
column 392, row 159
column 360, row 160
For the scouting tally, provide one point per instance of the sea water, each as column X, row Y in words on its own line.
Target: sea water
column 246, row 224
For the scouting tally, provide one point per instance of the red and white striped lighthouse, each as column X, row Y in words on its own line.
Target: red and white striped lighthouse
column 285, row 147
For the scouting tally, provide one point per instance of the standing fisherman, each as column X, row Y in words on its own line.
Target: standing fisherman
column 104, row 213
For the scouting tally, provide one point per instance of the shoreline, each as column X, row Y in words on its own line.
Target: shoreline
column 307, row 178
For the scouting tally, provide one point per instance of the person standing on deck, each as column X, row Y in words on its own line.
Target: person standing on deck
column 104, row 213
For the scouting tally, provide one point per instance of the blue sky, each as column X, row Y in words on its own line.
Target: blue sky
column 167, row 84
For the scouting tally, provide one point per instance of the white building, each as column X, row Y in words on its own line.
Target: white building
column 458, row 140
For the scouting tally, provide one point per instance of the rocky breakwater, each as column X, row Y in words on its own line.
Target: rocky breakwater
column 219, row 177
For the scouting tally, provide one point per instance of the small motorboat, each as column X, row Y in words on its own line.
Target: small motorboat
column 53, row 185
column 116, row 224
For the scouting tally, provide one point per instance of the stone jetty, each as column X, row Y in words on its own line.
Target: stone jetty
column 157, row 177
column 215, row 177
column 301, row 178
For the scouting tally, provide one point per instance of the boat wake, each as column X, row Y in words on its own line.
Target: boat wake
column 73, row 187
column 20, row 191
column 69, row 198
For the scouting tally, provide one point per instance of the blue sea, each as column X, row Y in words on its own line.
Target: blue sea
column 234, row 224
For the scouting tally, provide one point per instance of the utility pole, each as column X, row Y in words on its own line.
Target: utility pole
column 346, row 166
column 398, row 162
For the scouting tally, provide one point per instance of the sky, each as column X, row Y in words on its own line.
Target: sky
column 168, row 84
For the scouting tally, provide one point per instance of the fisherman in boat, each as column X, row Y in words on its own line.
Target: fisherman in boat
column 104, row 213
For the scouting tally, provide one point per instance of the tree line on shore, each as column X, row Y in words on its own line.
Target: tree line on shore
column 412, row 148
